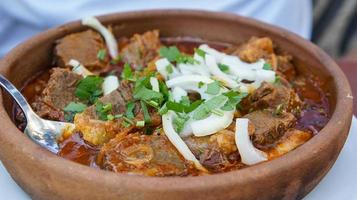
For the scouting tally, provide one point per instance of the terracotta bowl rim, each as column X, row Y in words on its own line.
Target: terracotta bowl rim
column 248, row 175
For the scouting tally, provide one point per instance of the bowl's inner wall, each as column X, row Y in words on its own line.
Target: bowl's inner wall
column 39, row 57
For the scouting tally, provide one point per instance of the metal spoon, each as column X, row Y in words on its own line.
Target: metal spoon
column 43, row 132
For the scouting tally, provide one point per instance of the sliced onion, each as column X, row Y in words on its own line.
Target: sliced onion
column 78, row 68
column 213, row 52
column 110, row 84
column 188, row 80
column 178, row 93
column 249, row 154
column 161, row 67
column 212, row 124
column 214, row 69
column 108, row 36
column 177, row 141
column 188, row 69
column 154, row 84
column 235, row 63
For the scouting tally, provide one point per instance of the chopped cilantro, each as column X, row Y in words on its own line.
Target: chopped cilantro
column 174, row 55
column 267, row 66
column 129, row 110
column 101, row 54
column 224, row 68
column 103, row 110
column 204, row 110
column 163, row 110
column 213, row 88
column 110, row 117
column 146, row 114
column 185, row 101
column 169, row 69
column 234, row 98
column 200, row 84
column 277, row 80
column 127, row 73
column 200, row 52
column 89, row 88
column 73, row 108
column 140, row 123
column 179, row 121
column 115, row 60
column 142, row 91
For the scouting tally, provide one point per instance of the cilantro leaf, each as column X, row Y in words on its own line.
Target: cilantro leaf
column 129, row 110
column 127, row 73
column 101, row 54
column 147, row 94
column 204, row 110
column 75, row 107
column 103, row 110
column 234, row 98
column 174, row 55
column 213, row 88
column 146, row 114
column 179, row 121
column 200, row 52
column 171, row 53
column 224, row 68
column 267, row 66
column 89, row 88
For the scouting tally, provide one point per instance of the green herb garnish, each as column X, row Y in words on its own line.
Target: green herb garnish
column 277, row 80
column 234, row 98
column 89, row 88
column 169, row 68
column 127, row 73
column 101, row 54
column 213, row 88
column 129, row 113
column 103, row 110
column 179, row 121
column 140, row 123
column 204, row 110
column 201, row 84
column 73, row 108
column 224, row 68
column 200, row 52
column 146, row 114
column 267, row 66
column 174, row 55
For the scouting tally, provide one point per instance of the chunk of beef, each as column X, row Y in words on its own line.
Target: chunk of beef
column 84, row 47
column 59, row 92
column 141, row 49
column 270, row 95
column 255, row 49
column 269, row 127
column 285, row 66
column 142, row 154
column 292, row 139
column 217, row 152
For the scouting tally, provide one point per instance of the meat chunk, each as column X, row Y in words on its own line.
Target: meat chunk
column 255, row 49
column 59, row 92
column 292, row 139
column 84, row 47
column 270, row 95
column 141, row 49
column 142, row 154
column 269, row 127
column 217, row 152
column 285, row 66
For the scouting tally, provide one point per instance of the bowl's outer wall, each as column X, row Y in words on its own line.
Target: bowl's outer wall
column 46, row 176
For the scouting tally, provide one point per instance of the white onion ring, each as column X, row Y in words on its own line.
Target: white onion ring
column 107, row 35
column 249, row 154
column 78, row 68
column 110, row 84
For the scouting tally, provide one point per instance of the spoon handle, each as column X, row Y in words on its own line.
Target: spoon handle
column 11, row 89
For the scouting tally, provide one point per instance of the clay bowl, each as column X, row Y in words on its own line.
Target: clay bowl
column 46, row 176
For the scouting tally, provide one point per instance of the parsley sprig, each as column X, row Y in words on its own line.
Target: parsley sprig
column 89, row 89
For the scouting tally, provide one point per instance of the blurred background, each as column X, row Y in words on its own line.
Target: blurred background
column 331, row 24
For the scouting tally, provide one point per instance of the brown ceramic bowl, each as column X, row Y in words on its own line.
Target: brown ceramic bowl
column 46, row 176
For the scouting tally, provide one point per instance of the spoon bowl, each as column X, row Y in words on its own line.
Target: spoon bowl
column 41, row 131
